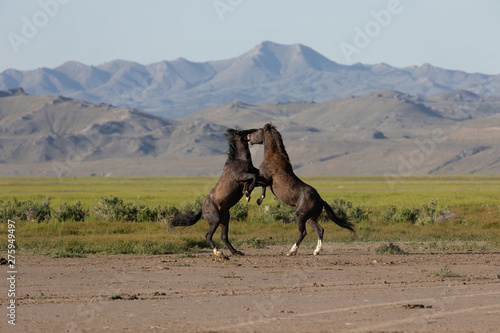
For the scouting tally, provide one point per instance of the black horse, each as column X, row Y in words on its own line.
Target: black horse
column 238, row 177
column 277, row 173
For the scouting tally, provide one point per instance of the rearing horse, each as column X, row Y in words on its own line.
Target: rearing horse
column 276, row 172
column 238, row 177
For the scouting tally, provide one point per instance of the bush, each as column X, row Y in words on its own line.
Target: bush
column 110, row 209
column 402, row 215
column 277, row 210
column 348, row 210
column 192, row 206
column 239, row 212
column 25, row 210
column 163, row 213
column 390, row 249
column 73, row 213
column 430, row 212
column 114, row 209
column 426, row 214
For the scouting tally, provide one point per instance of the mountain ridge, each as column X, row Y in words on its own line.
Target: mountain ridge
column 269, row 72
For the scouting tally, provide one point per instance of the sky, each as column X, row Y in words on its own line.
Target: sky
column 452, row 34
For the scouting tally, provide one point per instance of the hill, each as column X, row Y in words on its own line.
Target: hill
column 55, row 135
column 380, row 132
column 268, row 73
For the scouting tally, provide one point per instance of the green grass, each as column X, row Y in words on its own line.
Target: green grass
column 475, row 199
column 444, row 273
column 88, row 190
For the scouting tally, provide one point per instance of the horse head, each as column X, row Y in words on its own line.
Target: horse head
column 255, row 136
column 271, row 138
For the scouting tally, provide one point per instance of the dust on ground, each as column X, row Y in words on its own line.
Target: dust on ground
column 348, row 288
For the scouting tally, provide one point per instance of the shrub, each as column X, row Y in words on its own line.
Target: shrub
column 239, row 212
column 426, row 214
column 109, row 209
column 73, row 213
column 430, row 212
column 192, row 206
column 276, row 211
column 402, row 215
column 163, row 213
column 390, row 249
column 113, row 209
column 25, row 210
column 346, row 209
column 144, row 213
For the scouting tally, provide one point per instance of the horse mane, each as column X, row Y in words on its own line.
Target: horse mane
column 232, row 136
column 276, row 136
column 231, row 141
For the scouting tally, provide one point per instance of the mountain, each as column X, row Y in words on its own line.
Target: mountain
column 379, row 132
column 268, row 73
column 56, row 135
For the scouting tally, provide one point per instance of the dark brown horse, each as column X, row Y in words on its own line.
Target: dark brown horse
column 277, row 173
column 238, row 177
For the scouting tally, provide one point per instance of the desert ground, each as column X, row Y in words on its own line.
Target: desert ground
column 347, row 288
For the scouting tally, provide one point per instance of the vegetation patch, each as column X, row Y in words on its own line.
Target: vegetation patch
column 427, row 213
column 346, row 209
column 28, row 210
column 390, row 249
column 254, row 242
column 444, row 273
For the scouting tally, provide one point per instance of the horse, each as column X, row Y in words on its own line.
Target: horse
column 238, row 178
column 277, row 173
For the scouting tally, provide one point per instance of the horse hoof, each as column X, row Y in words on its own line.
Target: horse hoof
column 238, row 253
column 247, row 198
column 315, row 253
column 259, row 201
column 290, row 254
column 218, row 253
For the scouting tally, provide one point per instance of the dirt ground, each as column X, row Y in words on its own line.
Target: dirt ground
column 348, row 288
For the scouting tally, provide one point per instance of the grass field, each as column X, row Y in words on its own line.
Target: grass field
column 474, row 199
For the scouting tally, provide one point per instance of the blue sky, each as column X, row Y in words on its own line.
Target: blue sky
column 453, row 34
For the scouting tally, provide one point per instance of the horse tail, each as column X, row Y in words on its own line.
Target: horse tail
column 344, row 223
column 184, row 220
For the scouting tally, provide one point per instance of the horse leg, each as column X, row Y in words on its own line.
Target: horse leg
column 246, row 193
column 264, row 183
column 301, row 224
column 262, row 196
column 320, row 231
column 247, row 178
column 212, row 216
column 224, row 228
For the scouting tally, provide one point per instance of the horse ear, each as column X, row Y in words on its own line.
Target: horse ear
column 230, row 132
column 267, row 126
